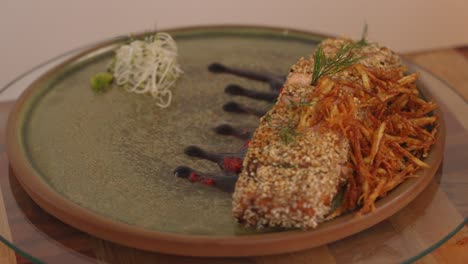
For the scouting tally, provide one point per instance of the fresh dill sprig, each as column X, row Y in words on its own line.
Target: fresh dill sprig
column 288, row 166
column 267, row 118
column 288, row 134
column 301, row 103
column 344, row 58
column 363, row 40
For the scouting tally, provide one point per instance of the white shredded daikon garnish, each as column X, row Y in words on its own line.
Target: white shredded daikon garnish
column 148, row 66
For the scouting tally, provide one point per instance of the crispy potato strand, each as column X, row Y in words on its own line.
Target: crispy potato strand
column 389, row 127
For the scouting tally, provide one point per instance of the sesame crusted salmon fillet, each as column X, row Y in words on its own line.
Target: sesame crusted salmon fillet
column 293, row 168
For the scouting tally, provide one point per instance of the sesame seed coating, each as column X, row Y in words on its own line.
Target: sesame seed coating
column 290, row 176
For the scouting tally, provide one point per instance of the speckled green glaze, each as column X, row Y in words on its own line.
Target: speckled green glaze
column 114, row 153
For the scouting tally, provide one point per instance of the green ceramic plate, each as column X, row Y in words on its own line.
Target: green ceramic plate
column 104, row 163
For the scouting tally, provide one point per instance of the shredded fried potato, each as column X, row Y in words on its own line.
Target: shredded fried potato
column 390, row 129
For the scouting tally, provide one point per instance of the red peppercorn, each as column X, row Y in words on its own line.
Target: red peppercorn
column 281, row 89
column 193, row 177
column 232, row 164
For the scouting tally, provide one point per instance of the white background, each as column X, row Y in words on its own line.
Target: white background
column 33, row 31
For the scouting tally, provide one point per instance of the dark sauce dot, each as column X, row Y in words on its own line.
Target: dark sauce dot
column 234, row 90
column 233, row 107
column 217, row 68
column 194, row 151
column 182, row 171
column 224, row 129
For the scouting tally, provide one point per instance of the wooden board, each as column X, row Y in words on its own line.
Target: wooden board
column 435, row 213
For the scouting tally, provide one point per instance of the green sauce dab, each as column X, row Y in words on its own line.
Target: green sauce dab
column 101, row 82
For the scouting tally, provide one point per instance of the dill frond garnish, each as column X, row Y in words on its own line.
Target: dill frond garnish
column 288, row 134
column 301, row 103
column 345, row 57
column 363, row 40
column 267, row 118
column 288, row 166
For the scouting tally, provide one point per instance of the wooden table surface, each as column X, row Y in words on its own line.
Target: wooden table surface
column 429, row 218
